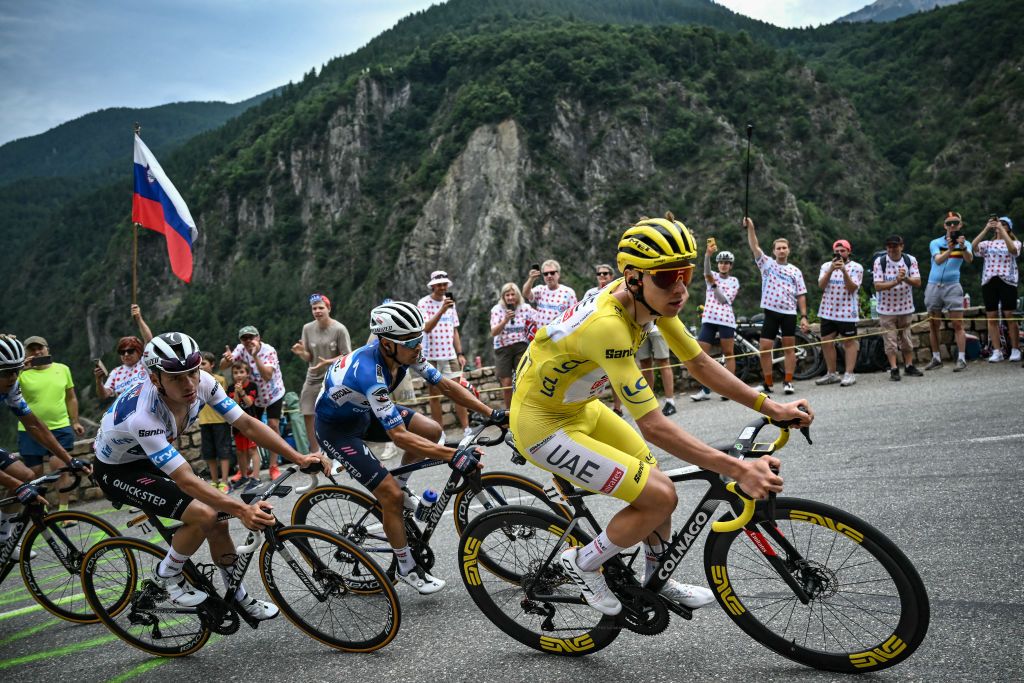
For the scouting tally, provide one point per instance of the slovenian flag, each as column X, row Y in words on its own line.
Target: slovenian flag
column 158, row 206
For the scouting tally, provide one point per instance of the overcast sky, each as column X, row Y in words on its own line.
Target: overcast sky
column 61, row 59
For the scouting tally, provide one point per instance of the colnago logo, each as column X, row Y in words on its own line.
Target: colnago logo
column 669, row 565
column 138, row 494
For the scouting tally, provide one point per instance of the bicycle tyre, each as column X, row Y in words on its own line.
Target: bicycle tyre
column 122, row 566
column 60, row 592
column 373, row 600
column 495, row 538
column 760, row 602
column 494, row 483
column 348, row 512
column 813, row 361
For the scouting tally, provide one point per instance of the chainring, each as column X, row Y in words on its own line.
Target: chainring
column 424, row 556
column 643, row 611
column 218, row 617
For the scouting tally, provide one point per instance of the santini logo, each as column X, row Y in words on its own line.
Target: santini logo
column 618, row 353
column 150, row 432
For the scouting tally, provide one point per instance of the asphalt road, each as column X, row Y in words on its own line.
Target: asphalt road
column 935, row 463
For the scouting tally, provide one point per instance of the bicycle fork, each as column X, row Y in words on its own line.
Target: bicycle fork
column 785, row 568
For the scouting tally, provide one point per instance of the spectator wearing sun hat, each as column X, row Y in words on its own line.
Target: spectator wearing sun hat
column 265, row 369
column 323, row 341
column 442, row 346
column 839, row 280
column 999, row 280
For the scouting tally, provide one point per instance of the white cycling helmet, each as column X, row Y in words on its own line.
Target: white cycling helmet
column 395, row 319
column 12, row 353
column 725, row 257
column 172, row 352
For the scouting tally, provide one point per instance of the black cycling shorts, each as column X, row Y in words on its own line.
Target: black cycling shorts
column 841, row 328
column 273, row 411
column 998, row 291
column 774, row 322
column 7, row 459
column 141, row 484
column 346, row 444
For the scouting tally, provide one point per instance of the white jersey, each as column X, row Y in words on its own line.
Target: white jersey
column 139, row 424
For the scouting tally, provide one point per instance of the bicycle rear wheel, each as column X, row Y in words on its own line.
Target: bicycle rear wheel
column 868, row 608
column 503, row 488
column 511, row 544
column 330, row 590
column 117, row 581
column 52, row 576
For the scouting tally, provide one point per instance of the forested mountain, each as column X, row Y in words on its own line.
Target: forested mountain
column 891, row 10
column 481, row 136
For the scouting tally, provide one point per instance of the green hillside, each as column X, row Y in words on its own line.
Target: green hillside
column 615, row 109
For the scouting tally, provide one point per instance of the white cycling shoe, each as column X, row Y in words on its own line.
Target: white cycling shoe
column 685, row 594
column 592, row 584
column 424, row 583
column 258, row 609
column 179, row 592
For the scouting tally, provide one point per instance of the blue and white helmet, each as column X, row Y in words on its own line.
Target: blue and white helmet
column 396, row 319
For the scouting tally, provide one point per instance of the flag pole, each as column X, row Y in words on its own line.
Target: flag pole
column 135, row 246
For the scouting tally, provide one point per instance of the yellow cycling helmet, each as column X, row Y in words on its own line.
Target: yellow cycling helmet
column 655, row 242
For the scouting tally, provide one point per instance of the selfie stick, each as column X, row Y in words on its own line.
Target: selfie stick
column 746, row 193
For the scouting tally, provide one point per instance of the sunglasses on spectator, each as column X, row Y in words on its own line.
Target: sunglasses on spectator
column 951, row 223
column 122, row 352
column 604, row 273
column 409, row 343
column 667, row 277
column 549, row 272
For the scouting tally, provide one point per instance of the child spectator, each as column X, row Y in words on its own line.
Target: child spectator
column 244, row 392
column 215, row 433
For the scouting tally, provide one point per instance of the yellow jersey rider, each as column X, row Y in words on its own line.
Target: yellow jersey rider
column 560, row 425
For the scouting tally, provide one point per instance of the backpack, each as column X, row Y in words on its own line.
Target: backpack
column 880, row 256
column 870, row 356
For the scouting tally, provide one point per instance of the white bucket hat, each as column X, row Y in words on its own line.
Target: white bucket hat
column 438, row 277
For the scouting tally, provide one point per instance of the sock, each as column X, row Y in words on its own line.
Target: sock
column 403, row 480
column 935, row 356
column 651, row 555
column 62, row 507
column 769, row 382
column 225, row 575
column 405, row 561
column 961, row 356
column 5, row 526
column 789, row 378
column 172, row 564
column 705, row 389
column 594, row 554
column 670, row 400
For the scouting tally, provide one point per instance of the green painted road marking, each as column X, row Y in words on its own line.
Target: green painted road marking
column 60, row 601
column 25, row 633
column 56, row 652
column 140, row 669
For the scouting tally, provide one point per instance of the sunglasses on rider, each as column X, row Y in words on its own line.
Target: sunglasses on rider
column 667, row 277
column 409, row 343
column 10, row 372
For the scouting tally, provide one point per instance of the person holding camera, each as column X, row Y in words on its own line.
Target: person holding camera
column 718, row 319
column 944, row 294
column 510, row 318
column 894, row 275
column 999, row 280
column 839, row 280
column 442, row 346
column 550, row 299
column 131, row 370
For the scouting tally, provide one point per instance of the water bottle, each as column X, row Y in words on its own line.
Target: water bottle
column 427, row 500
column 873, row 307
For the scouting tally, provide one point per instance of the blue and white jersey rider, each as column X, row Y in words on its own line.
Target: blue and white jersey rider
column 15, row 401
column 140, row 426
column 359, row 386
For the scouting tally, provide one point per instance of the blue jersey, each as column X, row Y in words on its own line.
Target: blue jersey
column 15, row 401
column 948, row 272
column 360, row 384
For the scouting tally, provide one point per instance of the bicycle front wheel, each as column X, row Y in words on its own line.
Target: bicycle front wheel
column 504, row 558
column 350, row 513
column 503, row 488
column 51, row 561
column 330, row 590
column 867, row 608
column 117, row 581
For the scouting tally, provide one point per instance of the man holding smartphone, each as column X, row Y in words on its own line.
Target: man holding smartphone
column 839, row 280
column 944, row 294
column 442, row 346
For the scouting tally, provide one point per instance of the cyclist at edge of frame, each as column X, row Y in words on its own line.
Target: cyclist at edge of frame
column 137, row 464
column 14, row 474
column 355, row 406
column 559, row 424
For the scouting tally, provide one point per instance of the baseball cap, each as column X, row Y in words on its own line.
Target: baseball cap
column 438, row 277
column 248, row 329
column 893, row 239
column 35, row 340
column 1009, row 223
column 842, row 243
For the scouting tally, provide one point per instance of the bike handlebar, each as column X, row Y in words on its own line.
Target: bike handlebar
column 253, row 541
column 741, row 520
